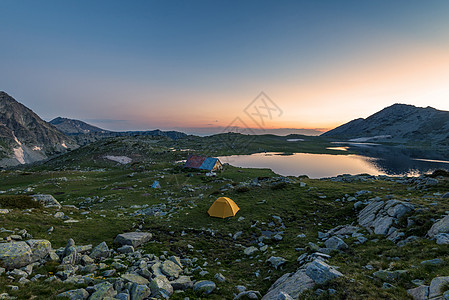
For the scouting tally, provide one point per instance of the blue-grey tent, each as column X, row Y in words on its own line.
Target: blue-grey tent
column 156, row 185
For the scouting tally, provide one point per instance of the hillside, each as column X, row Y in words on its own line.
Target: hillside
column 25, row 137
column 73, row 127
column 398, row 123
column 85, row 133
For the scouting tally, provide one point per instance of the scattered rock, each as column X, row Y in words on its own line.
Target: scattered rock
column 46, row 200
column 204, row 287
column 436, row 286
column 277, row 261
column 293, row 284
column 161, row 287
column 419, row 293
column 250, row 250
column 101, row 251
column 78, row 294
column 170, row 269
column 15, row 254
column 320, row 272
column 380, row 216
column 441, row 226
column 134, row 278
column 336, row 243
column 134, row 239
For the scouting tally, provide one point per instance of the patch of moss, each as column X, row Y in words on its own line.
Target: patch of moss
column 18, row 201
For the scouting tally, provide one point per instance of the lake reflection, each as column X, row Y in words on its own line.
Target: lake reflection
column 328, row 165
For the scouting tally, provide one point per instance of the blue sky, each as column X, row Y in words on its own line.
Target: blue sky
column 126, row 65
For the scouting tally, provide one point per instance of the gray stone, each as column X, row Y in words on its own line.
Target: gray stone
column 161, row 287
column 78, row 294
column 436, row 285
column 101, row 251
column 293, row 284
column 220, row 277
column 386, row 275
column 134, row 278
column 126, row 249
column 134, row 239
column 182, row 283
column 320, row 272
column 248, row 295
column 433, row 262
column 102, row 291
column 442, row 238
column 170, row 269
column 284, row 296
column 58, row 214
column 336, row 243
column 419, row 293
column 277, row 261
column 250, row 250
column 380, row 216
column 18, row 273
column 122, row 296
column 140, row 292
column 39, row 248
column 204, row 287
column 176, row 260
column 15, row 254
column 46, row 200
column 441, row 226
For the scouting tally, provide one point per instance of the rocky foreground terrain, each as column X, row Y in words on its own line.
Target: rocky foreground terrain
column 105, row 234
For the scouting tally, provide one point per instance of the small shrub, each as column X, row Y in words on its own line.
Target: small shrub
column 242, row 189
column 278, row 186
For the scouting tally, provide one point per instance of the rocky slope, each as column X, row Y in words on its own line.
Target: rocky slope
column 25, row 137
column 399, row 123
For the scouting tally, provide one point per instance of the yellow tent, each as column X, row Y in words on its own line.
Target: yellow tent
column 223, row 207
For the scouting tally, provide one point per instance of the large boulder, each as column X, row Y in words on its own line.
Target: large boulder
column 103, row 290
column 39, row 248
column 140, row 292
column 320, row 272
column 78, row 294
column 46, row 200
column 419, row 293
column 134, row 239
column 336, row 243
column 170, row 269
column 15, row 255
column 204, row 287
column 101, row 251
column 380, row 217
column 134, row 278
column 436, row 287
column 182, row 283
column 441, row 226
column 293, row 284
column 161, row 287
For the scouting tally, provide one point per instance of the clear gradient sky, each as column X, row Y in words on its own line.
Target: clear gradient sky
column 137, row 65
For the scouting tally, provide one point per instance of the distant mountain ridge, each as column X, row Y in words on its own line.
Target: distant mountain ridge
column 85, row 133
column 398, row 123
column 25, row 137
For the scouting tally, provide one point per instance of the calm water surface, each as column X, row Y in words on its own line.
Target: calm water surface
column 387, row 162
